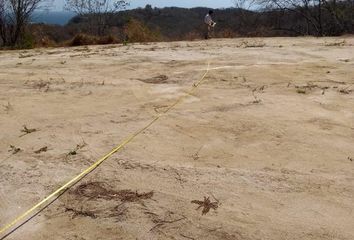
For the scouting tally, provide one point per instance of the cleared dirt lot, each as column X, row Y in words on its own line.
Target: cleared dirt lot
column 268, row 137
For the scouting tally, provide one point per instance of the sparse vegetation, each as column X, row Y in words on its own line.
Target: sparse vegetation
column 8, row 107
column 84, row 39
column 14, row 150
column 43, row 149
column 160, row 79
column 252, row 44
column 257, row 100
column 27, row 131
column 76, row 149
column 345, row 91
column 107, row 25
column 161, row 222
column 335, row 44
column 101, row 190
column 81, row 212
column 206, row 205
column 136, row 31
column 301, row 91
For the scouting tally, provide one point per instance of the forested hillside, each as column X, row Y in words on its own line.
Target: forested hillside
column 317, row 18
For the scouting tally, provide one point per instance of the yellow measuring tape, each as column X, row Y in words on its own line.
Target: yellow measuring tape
column 76, row 179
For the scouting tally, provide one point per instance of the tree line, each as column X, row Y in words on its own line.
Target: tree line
column 102, row 18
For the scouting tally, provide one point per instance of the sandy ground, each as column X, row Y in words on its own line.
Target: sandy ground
column 268, row 138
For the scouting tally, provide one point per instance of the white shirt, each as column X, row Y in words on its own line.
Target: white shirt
column 208, row 20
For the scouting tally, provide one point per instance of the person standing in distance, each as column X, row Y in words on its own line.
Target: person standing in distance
column 208, row 20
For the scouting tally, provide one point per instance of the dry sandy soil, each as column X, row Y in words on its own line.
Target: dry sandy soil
column 268, row 138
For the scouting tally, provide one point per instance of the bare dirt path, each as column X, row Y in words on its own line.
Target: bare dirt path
column 264, row 148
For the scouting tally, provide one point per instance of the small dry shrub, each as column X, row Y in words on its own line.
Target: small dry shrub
column 136, row 31
column 14, row 150
column 207, row 204
column 107, row 40
column 301, row 91
column 46, row 42
column 345, row 91
column 101, row 190
column 335, row 44
column 194, row 35
column 227, row 33
column 82, row 39
column 252, row 44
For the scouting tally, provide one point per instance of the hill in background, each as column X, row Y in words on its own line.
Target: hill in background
column 56, row 18
column 178, row 23
column 172, row 23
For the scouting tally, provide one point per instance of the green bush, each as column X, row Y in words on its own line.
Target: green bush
column 27, row 42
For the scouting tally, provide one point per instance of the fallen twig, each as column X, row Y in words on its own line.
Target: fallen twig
column 26, row 130
column 80, row 213
column 163, row 222
column 43, row 149
column 182, row 235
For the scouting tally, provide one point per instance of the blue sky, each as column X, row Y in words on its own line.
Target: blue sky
column 58, row 4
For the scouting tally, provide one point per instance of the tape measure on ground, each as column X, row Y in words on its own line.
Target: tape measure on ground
column 36, row 208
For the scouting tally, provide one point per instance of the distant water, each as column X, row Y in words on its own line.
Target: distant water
column 49, row 17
